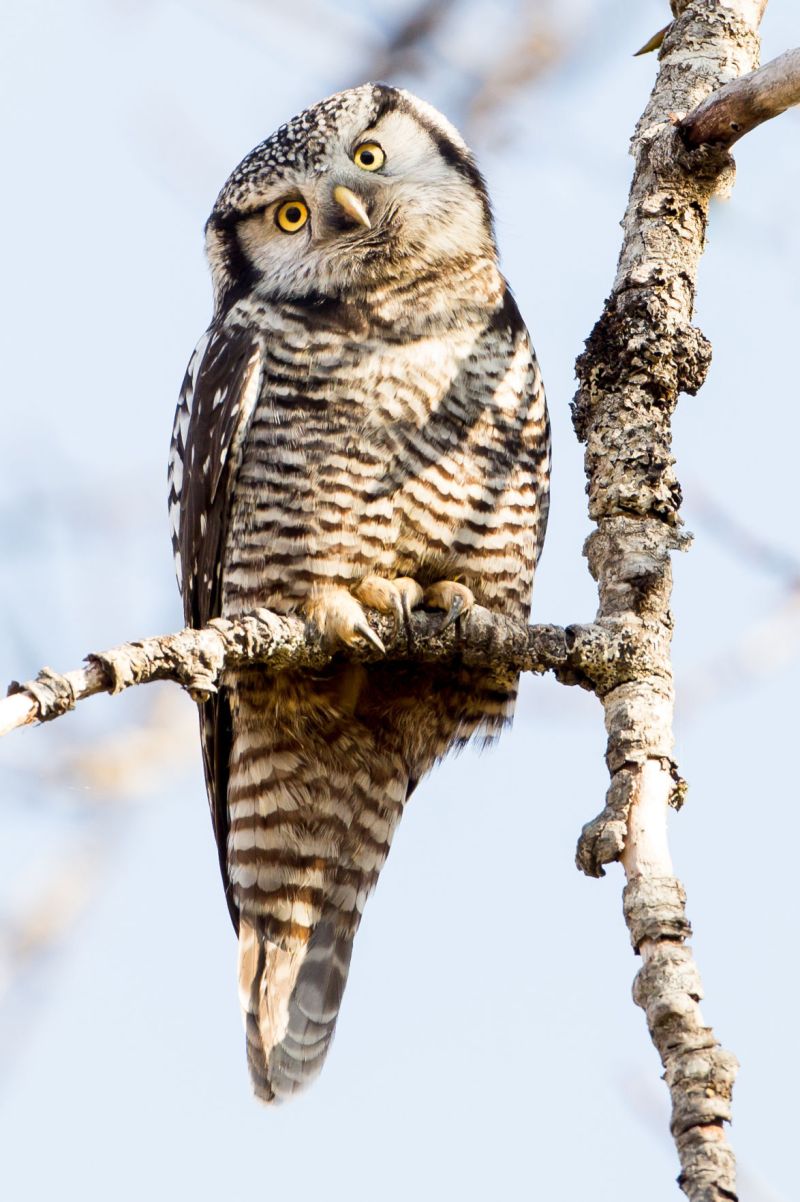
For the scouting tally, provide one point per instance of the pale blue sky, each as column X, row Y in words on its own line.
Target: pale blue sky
column 503, row 1057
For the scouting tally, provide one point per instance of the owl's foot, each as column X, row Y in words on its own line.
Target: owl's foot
column 396, row 597
column 340, row 619
column 456, row 599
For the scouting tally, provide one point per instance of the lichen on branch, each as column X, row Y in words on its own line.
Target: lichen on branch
column 197, row 659
column 641, row 355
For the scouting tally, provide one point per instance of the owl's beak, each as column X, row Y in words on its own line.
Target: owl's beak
column 352, row 205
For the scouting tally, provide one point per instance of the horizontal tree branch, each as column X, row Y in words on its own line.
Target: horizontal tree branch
column 739, row 106
column 592, row 656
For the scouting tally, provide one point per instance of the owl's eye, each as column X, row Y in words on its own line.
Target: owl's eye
column 291, row 216
column 369, row 156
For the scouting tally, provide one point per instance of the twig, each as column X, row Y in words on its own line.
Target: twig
column 414, row 32
column 738, row 107
column 766, row 647
column 537, row 46
column 653, row 43
column 749, row 546
column 196, row 659
column 406, row 47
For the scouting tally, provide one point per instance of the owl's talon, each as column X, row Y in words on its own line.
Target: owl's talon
column 455, row 598
column 411, row 595
column 361, row 626
column 338, row 616
column 397, row 597
column 453, row 613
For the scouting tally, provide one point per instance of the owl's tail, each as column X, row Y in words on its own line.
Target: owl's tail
column 290, row 1000
column 314, row 796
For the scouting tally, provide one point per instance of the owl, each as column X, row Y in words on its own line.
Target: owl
column 362, row 425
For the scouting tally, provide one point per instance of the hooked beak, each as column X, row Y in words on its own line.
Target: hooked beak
column 352, row 205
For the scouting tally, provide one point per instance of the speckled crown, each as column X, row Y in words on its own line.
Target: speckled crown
column 304, row 142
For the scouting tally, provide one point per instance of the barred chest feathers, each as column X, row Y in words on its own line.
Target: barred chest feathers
column 367, row 455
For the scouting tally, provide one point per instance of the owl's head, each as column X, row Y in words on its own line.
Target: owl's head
column 367, row 187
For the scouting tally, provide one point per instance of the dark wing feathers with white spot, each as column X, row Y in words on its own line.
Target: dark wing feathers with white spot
column 216, row 403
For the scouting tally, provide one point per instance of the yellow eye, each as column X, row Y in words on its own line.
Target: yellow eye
column 369, row 157
column 292, row 216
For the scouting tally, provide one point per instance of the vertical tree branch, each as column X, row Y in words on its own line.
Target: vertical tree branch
column 641, row 355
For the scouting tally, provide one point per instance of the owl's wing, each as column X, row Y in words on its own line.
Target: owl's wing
column 216, row 403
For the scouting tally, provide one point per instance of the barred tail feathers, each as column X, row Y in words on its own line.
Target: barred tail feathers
column 290, row 1000
column 314, row 797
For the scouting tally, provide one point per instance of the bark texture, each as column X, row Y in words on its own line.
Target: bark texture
column 196, row 659
column 643, row 352
column 740, row 106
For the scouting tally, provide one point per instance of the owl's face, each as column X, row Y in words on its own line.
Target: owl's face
column 371, row 185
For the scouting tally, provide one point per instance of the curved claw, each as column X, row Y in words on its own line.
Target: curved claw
column 411, row 595
column 340, row 619
column 399, row 608
column 454, row 598
column 361, row 626
column 457, row 606
column 405, row 611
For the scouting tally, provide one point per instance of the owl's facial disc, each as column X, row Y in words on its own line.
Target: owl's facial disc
column 367, row 181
